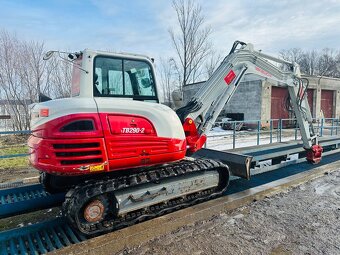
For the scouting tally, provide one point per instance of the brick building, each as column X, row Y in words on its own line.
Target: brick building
column 259, row 99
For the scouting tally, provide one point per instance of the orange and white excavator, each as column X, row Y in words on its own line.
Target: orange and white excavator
column 123, row 157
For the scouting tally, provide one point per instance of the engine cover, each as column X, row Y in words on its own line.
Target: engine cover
column 106, row 135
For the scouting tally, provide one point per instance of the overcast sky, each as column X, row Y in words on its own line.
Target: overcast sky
column 142, row 26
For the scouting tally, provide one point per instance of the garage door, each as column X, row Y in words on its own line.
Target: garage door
column 327, row 103
column 278, row 109
column 278, row 102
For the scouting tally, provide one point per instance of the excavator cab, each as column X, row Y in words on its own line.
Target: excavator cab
column 124, row 78
column 116, row 76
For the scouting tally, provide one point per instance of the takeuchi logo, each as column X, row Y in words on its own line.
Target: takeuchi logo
column 262, row 71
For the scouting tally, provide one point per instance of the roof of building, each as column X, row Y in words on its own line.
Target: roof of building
column 15, row 102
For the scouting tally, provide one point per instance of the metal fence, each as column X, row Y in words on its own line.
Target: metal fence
column 9, row 124
column 269, row 131
column 257, row 132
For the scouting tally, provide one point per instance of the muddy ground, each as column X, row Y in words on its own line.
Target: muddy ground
column 13, row 175
column 305, row 220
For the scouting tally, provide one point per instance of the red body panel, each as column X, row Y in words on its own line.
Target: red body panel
column 195, row 141
column 52, row 128
column 230, row 77
column 117, row 142
column 314, row 154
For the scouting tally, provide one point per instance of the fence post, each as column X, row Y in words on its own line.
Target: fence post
column 332, row 127
column 258, row 131
column 296, row 128
column 280, row 131
column 271, row 130
column 321, row 128
column 234, row 134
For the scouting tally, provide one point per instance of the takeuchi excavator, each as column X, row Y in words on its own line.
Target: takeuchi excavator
column 122, row 157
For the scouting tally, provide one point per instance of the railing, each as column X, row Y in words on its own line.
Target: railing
column 7, row 156
column 254, row 132
column 268, row 131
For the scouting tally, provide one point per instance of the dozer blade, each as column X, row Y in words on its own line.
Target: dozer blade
column 239, row 165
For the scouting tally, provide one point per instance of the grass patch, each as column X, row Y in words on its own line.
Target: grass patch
column 14, row 163
column 10, row 145
column 16, row 168
column 13, row 149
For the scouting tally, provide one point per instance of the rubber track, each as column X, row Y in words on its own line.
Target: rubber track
column 80, row 195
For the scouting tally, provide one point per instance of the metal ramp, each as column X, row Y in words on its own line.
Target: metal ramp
column 39, row 238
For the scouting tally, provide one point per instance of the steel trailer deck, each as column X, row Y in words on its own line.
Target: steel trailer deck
column 27, row 198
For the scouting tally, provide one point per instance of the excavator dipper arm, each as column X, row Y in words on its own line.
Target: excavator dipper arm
column 201, row 112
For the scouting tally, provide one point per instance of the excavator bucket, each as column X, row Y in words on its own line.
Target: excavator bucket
column 239, row 165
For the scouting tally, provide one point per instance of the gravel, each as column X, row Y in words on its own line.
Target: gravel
column 304, row 220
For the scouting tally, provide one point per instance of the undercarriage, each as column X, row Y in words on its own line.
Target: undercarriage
column 101, row 205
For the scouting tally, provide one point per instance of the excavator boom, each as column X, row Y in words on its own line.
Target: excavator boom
column 204, row 108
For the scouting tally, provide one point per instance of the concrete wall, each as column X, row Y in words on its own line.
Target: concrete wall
column 247, row 99
column 337, row 104
column 190, row 90
column 266, row 99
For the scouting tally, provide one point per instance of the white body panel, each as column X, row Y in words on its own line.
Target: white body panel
column 61, row 107
column 164, row 119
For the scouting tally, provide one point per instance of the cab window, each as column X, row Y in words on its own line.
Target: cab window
column 114, row 77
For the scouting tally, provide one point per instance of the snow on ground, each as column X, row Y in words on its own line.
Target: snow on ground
column 219, row 139
column 215, row 131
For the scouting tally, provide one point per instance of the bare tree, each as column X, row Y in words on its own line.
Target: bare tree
column 58, row 78
column 337, row 65
column 11, row 78
column 191, row 41
column 309, row 62
column 293, row 54
column 327, row 63
column 23, row 74
column 166, row 73
column 315, row 62
column 212, row 63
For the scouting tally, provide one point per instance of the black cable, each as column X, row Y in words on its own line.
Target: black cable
column 301, row 95
column 305, row 88
column 184, row 111
column 236, row 43
column 288, row 104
